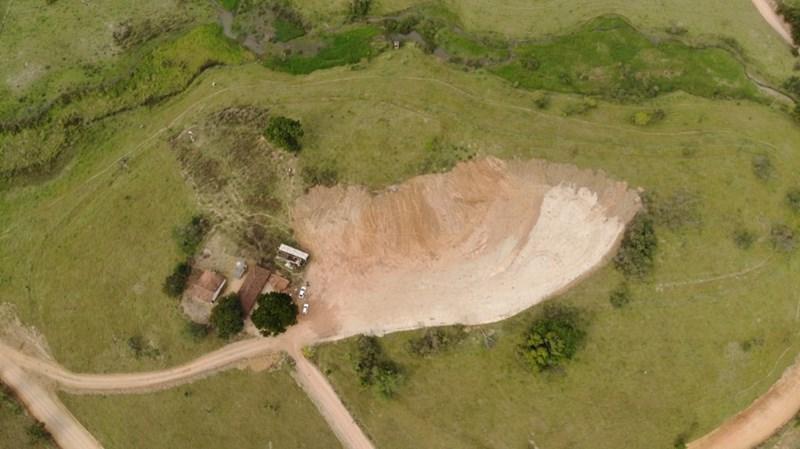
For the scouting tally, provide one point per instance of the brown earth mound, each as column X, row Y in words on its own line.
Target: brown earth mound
column 478, row 244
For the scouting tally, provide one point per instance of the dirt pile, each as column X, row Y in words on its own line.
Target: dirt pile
column 475, row 245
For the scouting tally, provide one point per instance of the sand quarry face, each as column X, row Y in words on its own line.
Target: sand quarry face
column 475, row 245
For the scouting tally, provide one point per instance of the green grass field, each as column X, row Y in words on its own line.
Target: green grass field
column 15, row 425
column 240, row 409
column 83, row 250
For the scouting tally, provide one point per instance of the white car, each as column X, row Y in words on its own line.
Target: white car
column 302, row 293
column 305, row 309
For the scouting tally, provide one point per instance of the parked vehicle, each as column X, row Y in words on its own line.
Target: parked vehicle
column 302, row 293
column 305, row 308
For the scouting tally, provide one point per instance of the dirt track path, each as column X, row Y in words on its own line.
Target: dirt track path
column 767, row 10
column 44, row 405
column 313, row 382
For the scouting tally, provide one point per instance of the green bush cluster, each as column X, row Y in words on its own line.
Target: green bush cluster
column 620, row 296
column 791, row 14
column 175, row 283
column 374, row 368
column 553, row 338
column 190, row 235
column 647, row 118
column 285, row 132
column 358, row 9
column 434, row 341
column 636, row 255
column 762, row 167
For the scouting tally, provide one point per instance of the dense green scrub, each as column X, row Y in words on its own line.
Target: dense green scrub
column 609, row 57
column 342, row 48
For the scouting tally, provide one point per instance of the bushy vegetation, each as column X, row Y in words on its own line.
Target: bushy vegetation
column 435, row 341
column 610, row 58
column 275, row 313
column 762, row 167
column 358, row 9
column 195, row 331
column 783, row 237
column 791, row 14
column 175, row 283
column 374, row 368
column 744, row 238
column 227, row 317
column 636, row 255
column 678, row 209
column 345, row 47
column 285, row 132
column 647, row 118
column 793, row 199
column 553, row 338
column 38, row 432
column 620, row 296
column 190, row 235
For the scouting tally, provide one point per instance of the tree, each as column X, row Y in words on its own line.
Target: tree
column 191, row 234
column 285, row 132
column 275, row 312
column 374, row 368
column 175, row 283
column 228, row 316
column 552, row 338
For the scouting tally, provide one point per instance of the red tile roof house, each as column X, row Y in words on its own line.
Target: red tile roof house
column 252, row 286
column 205, row 286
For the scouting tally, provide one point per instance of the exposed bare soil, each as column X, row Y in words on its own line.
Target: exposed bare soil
column 475, row 245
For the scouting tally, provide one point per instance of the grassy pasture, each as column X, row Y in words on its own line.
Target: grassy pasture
column 242, row 409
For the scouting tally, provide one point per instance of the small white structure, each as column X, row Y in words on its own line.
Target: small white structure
column 292, row 256
column 239, row 269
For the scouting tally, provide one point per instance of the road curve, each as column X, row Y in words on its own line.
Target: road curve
column 767, row 9
column 154, row 380
column 44, row 405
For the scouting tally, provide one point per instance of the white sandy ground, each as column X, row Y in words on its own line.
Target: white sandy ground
column 767, row 9
column 476, row 245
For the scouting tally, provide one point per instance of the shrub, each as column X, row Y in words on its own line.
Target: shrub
column 175, row 283
column 542, row 101
column 552, row 338
column 434, row 341
column 762, row 167
column 227, row 317
column 316, row 175
column 374, row 368
column 792, row 85
column 358, row 9
column 793, row 199
column 275, row 313
column 647, row 118
column 620, row 296
column 679, row 209
column 195, row 331
column 285, row 132
column 191, row 234
column 744, row 238
column 37, row 432
column 783, row 238
column 636, row 254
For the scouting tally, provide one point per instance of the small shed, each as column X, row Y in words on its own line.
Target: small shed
column 277, row 283
column 252, row 286
column 292, row 256
column 205, row 285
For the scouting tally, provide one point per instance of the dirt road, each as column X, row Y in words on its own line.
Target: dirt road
column 767, row 10
column 44, row 405
column 761, row 419
column 313, row 382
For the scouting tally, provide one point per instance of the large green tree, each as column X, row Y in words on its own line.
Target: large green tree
column 275, row 313
column 175, row 283
column 228, row 317
column 553, row 337
column 285, row 132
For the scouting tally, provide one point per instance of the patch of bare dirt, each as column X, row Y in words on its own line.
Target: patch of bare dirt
column 475, row 245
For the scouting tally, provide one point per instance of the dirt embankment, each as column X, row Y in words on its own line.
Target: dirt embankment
column 475, row 245
column 768, row 10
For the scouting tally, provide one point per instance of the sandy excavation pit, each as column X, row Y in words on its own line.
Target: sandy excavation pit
column 475, row 245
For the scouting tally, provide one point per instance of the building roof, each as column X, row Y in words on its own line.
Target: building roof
column 277, row 283
column 293, row 251
column 204, row 285
column 253, row 283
